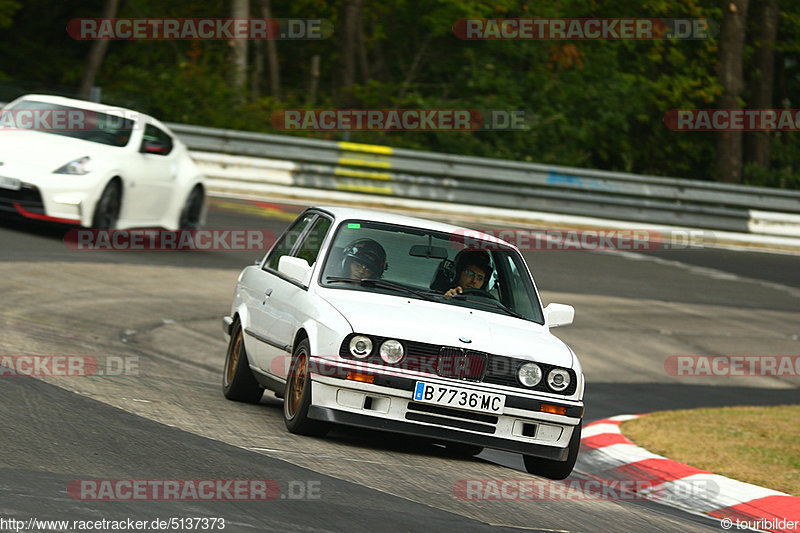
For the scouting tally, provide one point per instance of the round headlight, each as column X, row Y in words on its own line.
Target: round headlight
column 391, row 351
column 558, row 379
column 529, row 374
column 360, row 346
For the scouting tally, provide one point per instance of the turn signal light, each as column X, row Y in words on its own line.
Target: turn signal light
column 364, row 378
column 553, row 409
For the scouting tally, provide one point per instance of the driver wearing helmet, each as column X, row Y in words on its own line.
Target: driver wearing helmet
column 364, row 259
column 474, row 271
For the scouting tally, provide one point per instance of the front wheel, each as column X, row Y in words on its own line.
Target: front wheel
column 555, row 469
column 106, row 212
column 297, row 396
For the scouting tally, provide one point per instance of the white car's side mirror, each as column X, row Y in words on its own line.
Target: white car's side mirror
column 558, row 315
column 295, row 268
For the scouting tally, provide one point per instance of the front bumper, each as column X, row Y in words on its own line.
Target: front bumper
column 387, row 404
column 30, row 202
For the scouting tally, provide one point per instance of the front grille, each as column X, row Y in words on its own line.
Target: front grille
column 457, row 363
column 27, row 196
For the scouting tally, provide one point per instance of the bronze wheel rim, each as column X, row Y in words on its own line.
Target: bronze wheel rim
column 298, row 384
column 233, row 358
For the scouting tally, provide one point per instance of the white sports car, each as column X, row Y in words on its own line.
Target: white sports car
column 79, row 162
column 376, row 320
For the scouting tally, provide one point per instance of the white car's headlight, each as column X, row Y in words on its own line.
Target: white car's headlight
column 391, row 351
column 529, row 374
column 558, row 379
column 78, row 166
column 360, row 346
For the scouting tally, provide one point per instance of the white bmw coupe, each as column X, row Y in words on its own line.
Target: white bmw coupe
column 369, row 319
column 90, row 164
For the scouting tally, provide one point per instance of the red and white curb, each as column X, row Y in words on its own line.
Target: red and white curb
column 607, row 455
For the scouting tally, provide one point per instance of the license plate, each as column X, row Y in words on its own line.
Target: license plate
column 10, row 183
column 459, row 398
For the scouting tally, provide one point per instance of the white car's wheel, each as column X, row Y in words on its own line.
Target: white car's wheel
column 106, row 212
column 238, row 382
column 556, row 469
column 297, row 397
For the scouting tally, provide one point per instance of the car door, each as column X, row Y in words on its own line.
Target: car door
column 153, row 178
column 286, row 308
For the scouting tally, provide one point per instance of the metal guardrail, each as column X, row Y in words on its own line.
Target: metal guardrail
column 481, row 181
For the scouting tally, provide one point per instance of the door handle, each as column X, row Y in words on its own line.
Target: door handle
column 267, row 294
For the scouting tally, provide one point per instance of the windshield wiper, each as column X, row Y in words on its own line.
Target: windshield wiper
column 383, row 284
column 492, row 303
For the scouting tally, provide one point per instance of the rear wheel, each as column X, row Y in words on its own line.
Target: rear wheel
column 555, row 469
column 106, row 212
column 297, row 397
column 238, row 383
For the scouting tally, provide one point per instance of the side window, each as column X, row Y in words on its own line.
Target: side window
column 309, row 249
column 287, row 241
column 522, row 299
column 155, row 141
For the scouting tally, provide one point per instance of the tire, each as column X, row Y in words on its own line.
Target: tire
column 297, row 396
column 238, row 383
column 106, row 212
column 192, row 212
column 458, row 449
column 555, row 469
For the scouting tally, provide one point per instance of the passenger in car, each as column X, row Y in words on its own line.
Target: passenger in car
column 473, row 272
column 364, row 259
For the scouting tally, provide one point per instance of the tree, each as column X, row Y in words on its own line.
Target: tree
column 240, row 9
column 761, row 76
column 731, row 48
column 96, row 54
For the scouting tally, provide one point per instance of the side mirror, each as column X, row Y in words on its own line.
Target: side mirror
column 295, row 268
column 558, row 315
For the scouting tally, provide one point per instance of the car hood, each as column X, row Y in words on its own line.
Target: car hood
column 444, row 325
column 47, row 151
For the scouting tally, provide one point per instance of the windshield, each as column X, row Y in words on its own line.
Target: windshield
column 68, row 121
column 430, row 265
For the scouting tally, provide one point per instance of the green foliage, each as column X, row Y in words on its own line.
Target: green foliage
column 597, row 104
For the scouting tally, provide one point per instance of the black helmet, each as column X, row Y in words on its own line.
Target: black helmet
column 367, row 252
column 478, row 258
